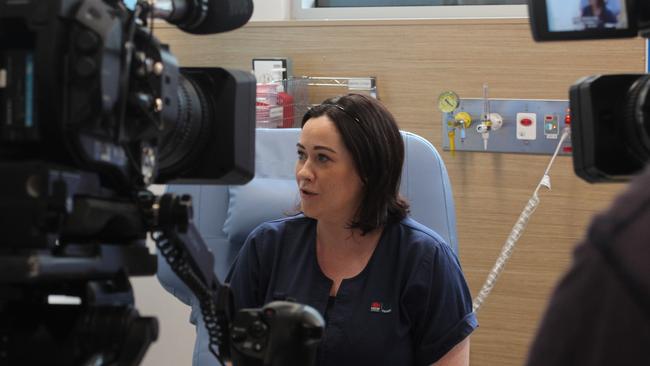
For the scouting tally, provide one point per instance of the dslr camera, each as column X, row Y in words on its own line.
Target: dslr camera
column 610, row 114
column 93, row 109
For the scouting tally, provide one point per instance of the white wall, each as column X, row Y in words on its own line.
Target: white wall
column 175, row 333
column 271, row 10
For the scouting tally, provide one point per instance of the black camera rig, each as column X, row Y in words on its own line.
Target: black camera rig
column 93, row 109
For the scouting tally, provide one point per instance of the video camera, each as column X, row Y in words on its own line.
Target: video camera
column 610, row 114
column 93, row 109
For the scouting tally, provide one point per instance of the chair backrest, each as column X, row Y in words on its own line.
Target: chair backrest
column 225, row 215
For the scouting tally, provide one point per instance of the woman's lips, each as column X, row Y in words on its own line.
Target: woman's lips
column 306, row 193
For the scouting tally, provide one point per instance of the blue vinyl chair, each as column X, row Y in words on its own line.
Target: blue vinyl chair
column 225, row 215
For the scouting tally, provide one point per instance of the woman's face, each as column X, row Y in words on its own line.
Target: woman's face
column 330, row 187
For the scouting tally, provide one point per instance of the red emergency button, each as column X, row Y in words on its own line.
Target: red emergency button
column 526, row 122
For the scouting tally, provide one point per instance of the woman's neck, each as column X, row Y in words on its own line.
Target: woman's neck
column 343, row 252
column 338, row 234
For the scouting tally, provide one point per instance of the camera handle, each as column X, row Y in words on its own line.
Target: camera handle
column 180, row 243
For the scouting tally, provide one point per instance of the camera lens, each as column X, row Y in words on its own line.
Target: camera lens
column 637, row 118
column 186, row 136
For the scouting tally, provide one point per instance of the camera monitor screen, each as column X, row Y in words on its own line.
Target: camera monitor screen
column 580, row 19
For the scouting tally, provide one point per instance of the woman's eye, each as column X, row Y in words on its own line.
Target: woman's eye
column 301, row 155
column 323, row 158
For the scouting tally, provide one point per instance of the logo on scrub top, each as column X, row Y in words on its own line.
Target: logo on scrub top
column 379, row 307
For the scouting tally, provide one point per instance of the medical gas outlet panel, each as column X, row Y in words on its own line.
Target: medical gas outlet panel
column 527, row 126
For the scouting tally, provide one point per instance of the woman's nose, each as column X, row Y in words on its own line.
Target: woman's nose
column 303, row 171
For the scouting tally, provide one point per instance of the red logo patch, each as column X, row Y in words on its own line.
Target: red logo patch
column 375, row 307
column 380, row 307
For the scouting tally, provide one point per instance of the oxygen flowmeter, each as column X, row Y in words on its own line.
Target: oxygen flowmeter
column 490, row 121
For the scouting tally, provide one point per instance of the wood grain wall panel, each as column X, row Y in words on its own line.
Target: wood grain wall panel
column 413, row 62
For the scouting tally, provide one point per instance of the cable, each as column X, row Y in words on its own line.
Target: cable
column 177, row 261
column 517, row 230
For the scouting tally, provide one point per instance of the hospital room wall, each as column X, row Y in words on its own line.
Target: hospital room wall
column 414, row 61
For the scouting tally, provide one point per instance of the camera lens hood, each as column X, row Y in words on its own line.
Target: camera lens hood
column 637, row 118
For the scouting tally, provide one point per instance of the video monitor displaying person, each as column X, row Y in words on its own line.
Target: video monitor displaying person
column 578, row 15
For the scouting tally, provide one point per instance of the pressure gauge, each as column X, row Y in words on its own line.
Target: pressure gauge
column 448, row 101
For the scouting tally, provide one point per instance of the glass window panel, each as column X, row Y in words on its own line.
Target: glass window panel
column 364, row 3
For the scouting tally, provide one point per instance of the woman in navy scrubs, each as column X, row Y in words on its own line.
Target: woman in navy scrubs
column 391, row 290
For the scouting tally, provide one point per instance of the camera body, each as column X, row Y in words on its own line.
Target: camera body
column 67, row 88
column 610, row 114
column 86, row 84
column 279, row 334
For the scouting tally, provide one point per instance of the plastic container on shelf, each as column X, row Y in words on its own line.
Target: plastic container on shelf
column 297, row 90
column 268, row 93
column 268, row 116
column 281, row 103
column 267, row 112
column 285, row 100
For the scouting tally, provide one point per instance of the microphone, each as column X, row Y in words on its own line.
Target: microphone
column 204, row 16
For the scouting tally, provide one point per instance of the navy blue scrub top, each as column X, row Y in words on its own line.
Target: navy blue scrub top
column 409, row 306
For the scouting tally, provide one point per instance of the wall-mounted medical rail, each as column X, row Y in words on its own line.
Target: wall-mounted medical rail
column 366, row 84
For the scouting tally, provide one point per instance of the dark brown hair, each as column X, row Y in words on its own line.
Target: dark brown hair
column 370, row 133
